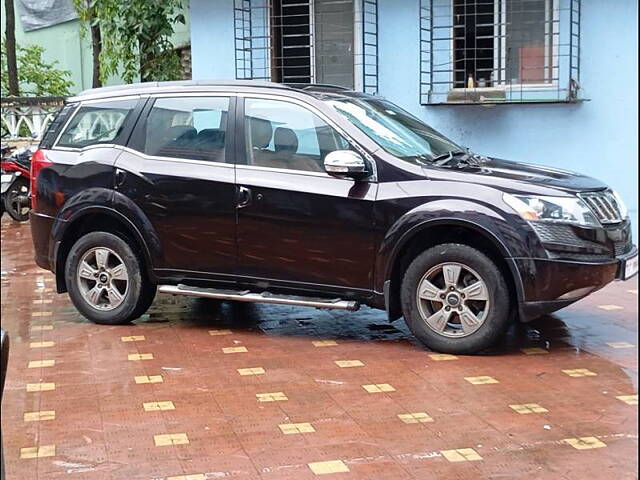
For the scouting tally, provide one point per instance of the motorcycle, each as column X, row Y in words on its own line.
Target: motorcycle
column 16, row 175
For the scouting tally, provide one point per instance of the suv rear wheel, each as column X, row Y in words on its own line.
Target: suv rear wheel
column 455, row 299
column 105, row 279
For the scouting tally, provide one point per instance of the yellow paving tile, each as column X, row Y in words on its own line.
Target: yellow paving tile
column 38, row 452
column 483, row 380
column 628, row 399
column 584, row 443
column 534, row 351
column 38, row 416
column 378, row 388
column 41, row 314
column 439, row 357
column 620, row 344
column 580, row 372
column 157, row 406
column 42, row 301
column 634, row 291
column 331, row 466
column 609, row 308
column 41, row 363
column 324, row 343
column 251, row 371
column 420, row 417
column 234, row 350
column 271, row 397
column 170, row 439
column 526, row 408
column 349, row 363
column 293, row 428
column 40, row 387
column 148, row 379
column 134, row 357
column 41, row 344
column 133, row 338
column 41, row 328
column 461, row 455
column 220, row 332
column 192, row 476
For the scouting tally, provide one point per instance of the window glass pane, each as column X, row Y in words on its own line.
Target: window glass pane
column 285, row 135
column 334, row 24
column 96, row 123
column 528, row 41
column 188, row 127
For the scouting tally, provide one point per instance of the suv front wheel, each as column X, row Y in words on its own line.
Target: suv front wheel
column 105, row 279
column 455, row 299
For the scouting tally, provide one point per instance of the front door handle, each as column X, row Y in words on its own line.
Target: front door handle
column 244, row 197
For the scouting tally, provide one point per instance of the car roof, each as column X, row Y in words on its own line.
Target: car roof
column 145, row 88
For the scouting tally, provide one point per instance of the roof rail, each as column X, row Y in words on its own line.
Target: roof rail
column 311, row 86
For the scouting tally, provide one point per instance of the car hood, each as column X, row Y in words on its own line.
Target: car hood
column 503, row 173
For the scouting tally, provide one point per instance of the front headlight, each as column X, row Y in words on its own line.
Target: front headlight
column 552, row 209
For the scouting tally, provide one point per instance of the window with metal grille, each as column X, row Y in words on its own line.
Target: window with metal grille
column 499, row 51
column 308, row 41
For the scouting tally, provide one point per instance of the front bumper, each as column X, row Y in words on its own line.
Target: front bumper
column 548, row 285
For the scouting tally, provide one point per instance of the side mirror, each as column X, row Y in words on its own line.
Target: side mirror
column 345, row 163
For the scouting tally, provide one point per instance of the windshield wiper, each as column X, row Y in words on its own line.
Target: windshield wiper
column 464, row 157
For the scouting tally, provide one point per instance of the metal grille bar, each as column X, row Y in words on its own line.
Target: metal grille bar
column 603, row 205
column 499, row 51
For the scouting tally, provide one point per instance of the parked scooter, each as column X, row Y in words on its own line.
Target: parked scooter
column 16, row 177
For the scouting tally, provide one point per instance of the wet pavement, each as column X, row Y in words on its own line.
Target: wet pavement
column 200, row 390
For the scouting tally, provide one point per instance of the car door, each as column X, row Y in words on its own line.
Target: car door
column 179, row 170
column 296, row 223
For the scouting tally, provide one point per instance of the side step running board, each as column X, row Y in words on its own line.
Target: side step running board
column 264, row 297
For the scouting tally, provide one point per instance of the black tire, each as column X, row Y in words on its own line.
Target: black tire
column 496, row 322
column 140, row 291
column 19, row 189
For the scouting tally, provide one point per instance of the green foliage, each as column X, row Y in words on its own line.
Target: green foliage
column 36, row 77
column 136, row 37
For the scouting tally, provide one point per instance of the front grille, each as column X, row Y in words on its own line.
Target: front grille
column 555, row 233
column 622, row 248
column 603, row 205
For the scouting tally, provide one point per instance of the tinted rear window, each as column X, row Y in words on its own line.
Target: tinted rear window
column 96, row 123
column 188, row 127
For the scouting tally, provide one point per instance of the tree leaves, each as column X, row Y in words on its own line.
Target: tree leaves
column 36, row 77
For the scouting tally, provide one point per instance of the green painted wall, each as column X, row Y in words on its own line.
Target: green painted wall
column 64, row 43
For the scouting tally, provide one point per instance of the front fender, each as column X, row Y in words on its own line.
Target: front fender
column 509, row 235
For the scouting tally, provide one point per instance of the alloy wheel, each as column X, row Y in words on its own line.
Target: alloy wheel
column 453, row 299
column 102, row 278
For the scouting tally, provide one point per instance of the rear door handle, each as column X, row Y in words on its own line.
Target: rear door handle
column 121, row 175
column 244, row 197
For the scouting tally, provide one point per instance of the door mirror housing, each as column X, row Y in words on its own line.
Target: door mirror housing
column 345, row 163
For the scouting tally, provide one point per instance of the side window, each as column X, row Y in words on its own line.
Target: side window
column 96, row 123
column 188, row 127
column 280, row 134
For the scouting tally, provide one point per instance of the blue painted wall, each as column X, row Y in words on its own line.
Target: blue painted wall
column 598, row 137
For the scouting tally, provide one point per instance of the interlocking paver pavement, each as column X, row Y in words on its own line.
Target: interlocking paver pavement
column 161, row 398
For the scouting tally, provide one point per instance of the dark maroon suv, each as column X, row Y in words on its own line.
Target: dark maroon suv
column 310, row 195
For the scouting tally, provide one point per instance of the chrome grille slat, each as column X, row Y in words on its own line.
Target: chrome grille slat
column 603, row 205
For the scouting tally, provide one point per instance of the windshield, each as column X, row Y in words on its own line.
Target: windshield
column 396, row 131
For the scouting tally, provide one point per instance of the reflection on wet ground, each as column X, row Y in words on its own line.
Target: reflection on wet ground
column 218, row 390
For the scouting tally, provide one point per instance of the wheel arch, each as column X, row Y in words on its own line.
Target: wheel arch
column 90, row 219
column 435, row 232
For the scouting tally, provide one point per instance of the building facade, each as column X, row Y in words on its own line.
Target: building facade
column 543, row 81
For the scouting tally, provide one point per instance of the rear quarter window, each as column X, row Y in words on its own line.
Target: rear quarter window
column 53, row 130
column 94, row 123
